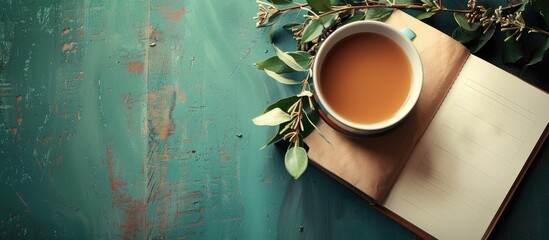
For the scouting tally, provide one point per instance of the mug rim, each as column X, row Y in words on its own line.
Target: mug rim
column 412, row 55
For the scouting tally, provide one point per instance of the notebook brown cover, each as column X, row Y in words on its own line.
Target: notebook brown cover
column 371, row 165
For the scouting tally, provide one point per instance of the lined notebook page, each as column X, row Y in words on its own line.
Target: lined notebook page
column 472, row 152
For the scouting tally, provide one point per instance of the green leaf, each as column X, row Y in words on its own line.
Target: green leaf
column 425, row 15
column 523, row 6
column 512, row 50
column 305, row 94
column 291, row 25
column 272, row 118
column 489, row 12
column 328, row 20
column 272, row 32
column 280, row 78
column 542, row 6
column 539, row 52
column 462, row 21
column 335, row 2
column 278, row 66
column 479, row 42
column 295, row 161
column 320, row 5
column 288, row 59
column 281, row 2
column 312, row 117
column 270, row 20
column 427, row 3
column 315, row 27
column 359, row 15
column 284, row 104
column 378, row 14
column 464, row 36
column 312, row 31
column 311, row 114
column 277, row 137
column 310, row 121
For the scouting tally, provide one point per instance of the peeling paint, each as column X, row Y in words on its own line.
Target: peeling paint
column 194, row 211
column 114, row 181
column 128, row 100
column 59, row 160
column 135, row 219
column 154, row 34
column 181, row 95
column 134, row 210
column 224, row 155
column 160, row 116
column 67, row 47
column 205, row 126
column 136, row 67
column 66, row 31
column 268, row 180
column 161, row 181
column 176, row 15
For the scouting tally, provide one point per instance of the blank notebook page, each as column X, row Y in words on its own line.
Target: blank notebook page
column 472, row 152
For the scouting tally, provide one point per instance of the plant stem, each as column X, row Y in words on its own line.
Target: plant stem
column 511, row 6
column 406, row 6
column 537, row 30
column 377, row 4
column 400, row 6
column 309, row 71
column 296, row 123
column 298, row 117
column 297, row 6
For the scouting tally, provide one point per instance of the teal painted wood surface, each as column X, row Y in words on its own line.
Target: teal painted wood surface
column 131, row 119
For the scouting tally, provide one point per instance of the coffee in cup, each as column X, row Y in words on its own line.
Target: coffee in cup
column 367, row 78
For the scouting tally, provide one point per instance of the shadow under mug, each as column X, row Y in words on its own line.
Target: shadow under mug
column 403, row 38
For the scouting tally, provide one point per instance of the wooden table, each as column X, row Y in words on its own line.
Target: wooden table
column 131, row 119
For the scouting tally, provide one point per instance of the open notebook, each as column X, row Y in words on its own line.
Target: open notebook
column 448, row 170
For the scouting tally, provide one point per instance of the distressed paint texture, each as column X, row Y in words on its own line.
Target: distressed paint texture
column 131, row 120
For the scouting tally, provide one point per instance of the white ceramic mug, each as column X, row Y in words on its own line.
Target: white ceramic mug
column 404, row 39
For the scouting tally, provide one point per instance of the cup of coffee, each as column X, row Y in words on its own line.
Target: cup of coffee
column 367, row 77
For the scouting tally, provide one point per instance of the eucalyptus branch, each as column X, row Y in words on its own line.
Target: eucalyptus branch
column 347, row 8
column 511, row 22
column 477, row 25
column 406, row 6
column 295, row 111
column 305, row 83
column 377, row 4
